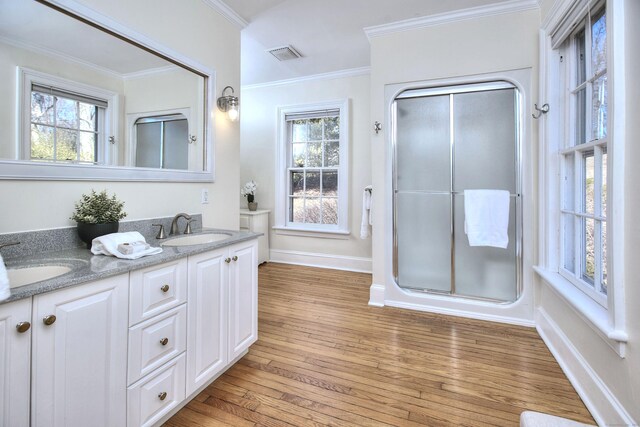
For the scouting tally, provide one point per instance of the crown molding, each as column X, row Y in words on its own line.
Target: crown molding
column 224, row 9
column 350, row 72
column 150, row 72
column 510, row 6
column 59, row 55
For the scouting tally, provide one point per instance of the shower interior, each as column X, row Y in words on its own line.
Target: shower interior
column 446, row 140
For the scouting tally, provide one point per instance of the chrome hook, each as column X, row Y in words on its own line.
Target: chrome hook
column 540, row 110
column 377, row 126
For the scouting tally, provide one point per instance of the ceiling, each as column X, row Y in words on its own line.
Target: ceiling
column 329, row 33
column 23, row 23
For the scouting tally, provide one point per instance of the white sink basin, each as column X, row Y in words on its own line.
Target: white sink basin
column 196, row 239
column 28, row 275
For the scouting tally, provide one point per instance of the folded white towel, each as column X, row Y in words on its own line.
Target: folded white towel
column 486, row 217
column 5, row 289
column 108, row 245
column 366, row 212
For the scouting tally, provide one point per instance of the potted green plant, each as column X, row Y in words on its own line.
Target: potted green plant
column 97, row 214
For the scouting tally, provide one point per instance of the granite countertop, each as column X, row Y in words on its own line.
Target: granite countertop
column 86, row 267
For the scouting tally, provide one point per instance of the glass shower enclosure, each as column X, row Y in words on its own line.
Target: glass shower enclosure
column 447, row 140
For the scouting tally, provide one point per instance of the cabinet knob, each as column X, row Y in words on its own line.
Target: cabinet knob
column 164, row 341
column 235, row 257
column 23, row 327
column 49, row 320
column 165, row 288
column 163, row 395
column 227, row 260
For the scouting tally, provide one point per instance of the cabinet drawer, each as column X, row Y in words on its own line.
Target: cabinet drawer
column 156, row 394
column 156, row 341
column 244, row 222
column 157, row 289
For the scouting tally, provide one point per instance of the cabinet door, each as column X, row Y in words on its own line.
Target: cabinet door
column 206, row 317
column 243, row 297
column 79, row 367
column 15, row 363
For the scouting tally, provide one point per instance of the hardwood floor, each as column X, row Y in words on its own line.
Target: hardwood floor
column 324, row 357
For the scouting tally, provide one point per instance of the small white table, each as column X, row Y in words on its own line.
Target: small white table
column 258, row 222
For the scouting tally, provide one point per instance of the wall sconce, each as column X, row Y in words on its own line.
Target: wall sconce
column 229, row 104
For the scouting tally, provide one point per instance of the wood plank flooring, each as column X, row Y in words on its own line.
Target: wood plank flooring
column 324, row 357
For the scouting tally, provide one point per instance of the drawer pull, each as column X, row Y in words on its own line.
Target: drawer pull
column 165, row 288
column 49, row 320
column 235, row 258
column 164, row 341
column 163, row 395
column 23, row 327
column 227, row 260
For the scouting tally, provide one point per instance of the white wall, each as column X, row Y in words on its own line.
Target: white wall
column 258, row 149
column 193, row 29
column 471, row 47
column 611, row 384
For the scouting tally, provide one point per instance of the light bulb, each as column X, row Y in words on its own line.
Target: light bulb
column 232, row 113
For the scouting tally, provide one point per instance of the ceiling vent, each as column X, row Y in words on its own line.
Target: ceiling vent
column 284, row 53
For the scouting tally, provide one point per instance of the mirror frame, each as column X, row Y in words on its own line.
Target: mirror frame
column 27, row 170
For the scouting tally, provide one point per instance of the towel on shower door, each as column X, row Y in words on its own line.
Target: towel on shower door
column 366, row 212
column 486, row 217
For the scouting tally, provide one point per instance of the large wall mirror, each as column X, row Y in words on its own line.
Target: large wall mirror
column 82, row 97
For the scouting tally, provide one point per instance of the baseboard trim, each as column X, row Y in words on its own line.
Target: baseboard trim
column 376, row 295
column 310, row 259
column 599, row 400
column 462, row 313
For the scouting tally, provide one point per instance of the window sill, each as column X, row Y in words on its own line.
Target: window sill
column 306, row 232
column 596, row 316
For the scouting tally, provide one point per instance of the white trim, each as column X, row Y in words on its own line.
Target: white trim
column 303, row 232
column 376, row 295
column 150, row 72
column 551, row 136
column 470, row 314
column 26, row 77
column 598, row 398
column 280, row 215
column 59, row 55
column 509, row 6
column 10, row 169
column 226, row 11
column 310, row 259
column 592, row 313
column 350, row 72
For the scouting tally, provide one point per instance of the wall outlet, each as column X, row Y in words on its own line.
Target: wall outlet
column 204, row 197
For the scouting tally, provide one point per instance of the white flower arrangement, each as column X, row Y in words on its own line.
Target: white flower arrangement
column 249, row 189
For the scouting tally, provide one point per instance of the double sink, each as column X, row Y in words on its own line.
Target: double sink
column 21, row 276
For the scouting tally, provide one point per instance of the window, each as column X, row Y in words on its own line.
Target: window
column 584, row 158
column 313, row 184
column 65, row 127
column 64, row 121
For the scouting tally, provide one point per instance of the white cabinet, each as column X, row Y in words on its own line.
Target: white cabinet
column 15, row 363
column 257, row 222
column 222, row 310
column 207, row 317
column 243, row 298
column 79, row 364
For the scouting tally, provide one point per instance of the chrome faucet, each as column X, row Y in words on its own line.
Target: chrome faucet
column 174, row 223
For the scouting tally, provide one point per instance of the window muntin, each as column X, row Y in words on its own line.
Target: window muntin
column 584, row 159
column 313, row 168
column 65, row 127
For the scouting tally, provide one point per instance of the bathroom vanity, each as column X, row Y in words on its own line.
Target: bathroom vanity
column 115, row 342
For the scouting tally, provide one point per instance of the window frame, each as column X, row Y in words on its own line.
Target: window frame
column 571, row 146
column 282, row 223
column 106, row 152
column 608, row 322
